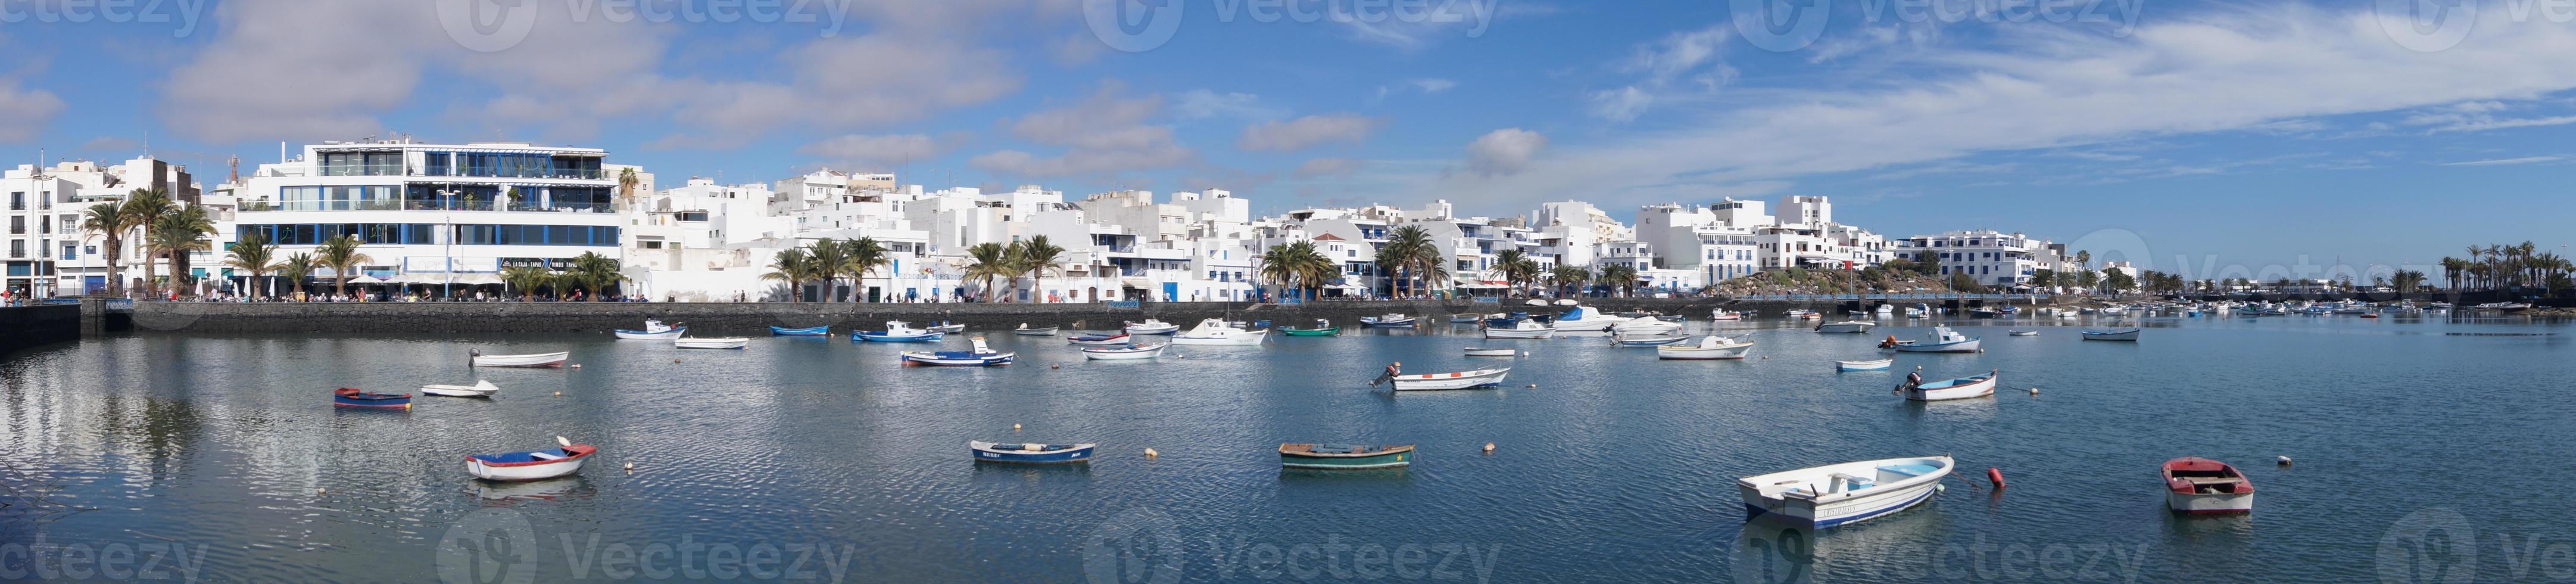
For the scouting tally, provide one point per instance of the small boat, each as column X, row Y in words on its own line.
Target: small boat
column 1961, row 388
column 653, row 330
column 1848, row 326
column 351, row 397
column 1446, row 381
column 1344, row 456
column 2022, row 333
column 1711, row 348
column 1671, row 318
column 1098, row 339
column 480, row 388
column 1645, row 325
column 1322, row 328
column 780, row 331
column 2202, row 486
column 1983, row 313
column 1724, row 314
column 1126, row 353
column 1388, row 320
column 898, row 332
column 1025, row 330
column 2370, row 316
column 1152, row 327
column 979, row 356
column 944, row 327
column 1465, row 318
column 1940, row 340
column 1585, row 319
column 711, row 342
column 531, row 465
column 1492, row 352
column 1501, row 319
column 529, row 360
column 1864, row 365
column 1525, row 329
column 1839, row 494
column 1218, row 332
column 2124, row 334
column 1647, row 340
column 1031, row 453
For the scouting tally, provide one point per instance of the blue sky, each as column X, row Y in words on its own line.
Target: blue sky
column 2224, row 134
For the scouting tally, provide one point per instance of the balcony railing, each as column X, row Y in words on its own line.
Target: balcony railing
column 562, row 207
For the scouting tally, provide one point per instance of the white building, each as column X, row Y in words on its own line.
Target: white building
column 49, row 254
column 1993, row 258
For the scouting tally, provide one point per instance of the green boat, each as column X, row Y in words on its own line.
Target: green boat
column 1323, row 328
column 1345, row 456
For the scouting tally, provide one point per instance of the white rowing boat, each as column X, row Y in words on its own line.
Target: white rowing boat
column 1838, row 494
column 478, row 389
column 711, row 342
column 529, row 360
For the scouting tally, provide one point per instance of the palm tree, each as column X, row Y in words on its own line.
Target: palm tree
column 1404, row 250
column 108, row 221
column 177, row 233
column 594, row 273
column 1312, row 267
column 865, row 254
column 985, row 261
column 1514, row 267
column 1568, row 278
column 1037, row 256
column 525, row 279
column 829, row 256
column 627, row 182
column 1623, row 277
column 296, row 268
column 2084, row 259
column 144, row 209
column 254, row 254
column 341, row 255
column 794, row 267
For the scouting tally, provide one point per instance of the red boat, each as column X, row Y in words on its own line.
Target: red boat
column 2202, row 486
column 351, row 397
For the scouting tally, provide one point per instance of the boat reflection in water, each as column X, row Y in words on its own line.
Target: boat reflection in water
column 503, row 494
column 1904, row 547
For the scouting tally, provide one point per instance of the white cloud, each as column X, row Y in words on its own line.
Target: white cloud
column 1621, row 104
column 1503, row 152
column 1680, row 64
column 24, row 112
column 1104, row 135
column 1432, row 85
column 1300, row 133
column 2505, row 161
column 1200, row 104
column 885, row 150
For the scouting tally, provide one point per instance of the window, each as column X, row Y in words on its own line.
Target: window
column 18, row 200
column 17, row 225
column 71, row 251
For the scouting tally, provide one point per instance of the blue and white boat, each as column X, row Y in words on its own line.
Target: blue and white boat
column 350, row 397
column 1647, row 340
column 780, row 331
column 1031, row 453
column 980, row 356
column 1941, row 340
column 898, row 332
column 653, row 330
column 946, row 327
column 1104, row 339
column 1505, row 320
column 1585, row 319
column 1832, row 495
column 1389, row 320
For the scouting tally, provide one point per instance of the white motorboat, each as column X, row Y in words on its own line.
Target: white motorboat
column 1712, row 347
column 480, row 388
column 945, row 327
column 1456, row 380
column 979, row 355
column 1724, row 314
column 897, row 331
column 1026, row 330
column 529, row 360
column 1585, row 319
column 1940, row 340
column 1864, row 365
column 1646, row 326
column 1218, row 332
column 711, row 342
column 1961, row 388
column 1388, row 320
column 1126, row 353
column 1838, row 494
column 1525, row 329
column 1848, row 326
column 2123, row 334
column 653, row 330
column 1492, row 352
column 1152, row 327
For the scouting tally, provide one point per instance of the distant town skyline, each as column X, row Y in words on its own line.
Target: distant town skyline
column 2226, row 135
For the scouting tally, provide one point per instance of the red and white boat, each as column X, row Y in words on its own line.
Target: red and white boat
column 2202, row 486
column 531, row 465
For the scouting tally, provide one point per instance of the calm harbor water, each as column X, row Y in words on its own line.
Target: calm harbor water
column 2412, row 437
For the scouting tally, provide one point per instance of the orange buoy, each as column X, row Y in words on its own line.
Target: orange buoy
column 1996, row 475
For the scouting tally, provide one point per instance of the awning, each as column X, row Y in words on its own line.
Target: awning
column 366, row 279
column 1137, row 283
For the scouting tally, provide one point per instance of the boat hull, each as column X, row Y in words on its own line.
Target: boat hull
column 1876, row 365
column 1516, row 333
column 525, row 466
column 1449, row 381
column 2130, row 335
column 372, row 401
column 1893, row 485
column 1844, row 327
column 1035, row 332
column 459, row 390
column 881, row 337
column 528, row 360
column 1484, row 352
column 732, row 343
column 1369, row 323
column 820, row 331
column 940, row 360
column 1323, row 332
column 992, row 452
column 638, row 335
column 1393, row 457
column 1962, row 388
column 1118, row 339
column 2210, row 504
column 1236, row 339
column 1132, row 354
column 1967, row 346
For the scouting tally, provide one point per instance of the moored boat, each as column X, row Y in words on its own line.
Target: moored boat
column 1099, row 339
column 1322, row 328
column 1711, row 348
column 1218, row 332
column 1584, row 319
column 480, row 388
column 531, row 465
column 979, row 356
column 898, row 332
column 2022, row 333
column 1031, row 452
column 1126, row 353
column 653, row 330
column 1645, row 325
column 1152, row 327
column 711, row 342
column 1840, row 494
column 1492, row 352
column 1453, row 380
column 1724, row 314
column 1505, row 318
column 1388, row 320
column 351, row 397
column 1864, row 365
column 1028, row 331
column 818, row 331
column 2202, row 486
column 2122, row 334
column 1848, row 326
column 1940, row 340
column 1525, row 329
column 1647, row 340
column 945, row 327
column 1344, row 456
column 529, row 360
column 1465, row 318
column 1961, row 388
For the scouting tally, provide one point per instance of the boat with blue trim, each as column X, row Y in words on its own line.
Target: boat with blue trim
column 1388, row 320
column 898, row 332
column 780, row 331
column 351, row 397
column 1940, row 340
column 1344, row 456
column 1031, row 453
column 532, row 465
column 1839, row 494
column 653, row 330
column 1118, row 338
column 979, row 356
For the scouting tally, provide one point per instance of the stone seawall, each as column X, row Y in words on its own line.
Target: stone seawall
column 31, row 326
column 754, row 319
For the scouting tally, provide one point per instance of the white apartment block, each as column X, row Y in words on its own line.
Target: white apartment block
column 1993, row 258
column 49, row 254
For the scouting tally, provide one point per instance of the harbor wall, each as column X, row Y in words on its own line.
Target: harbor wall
column 32, row 326
column 711, row 319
